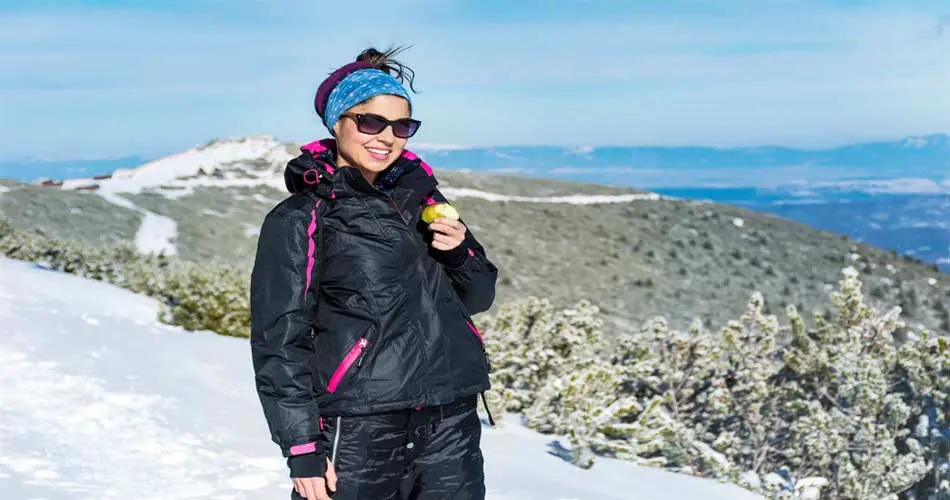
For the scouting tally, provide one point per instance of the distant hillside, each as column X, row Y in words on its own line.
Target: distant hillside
column 653, row 166
column 634, row 253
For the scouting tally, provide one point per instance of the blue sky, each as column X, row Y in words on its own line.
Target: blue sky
column 107, row 78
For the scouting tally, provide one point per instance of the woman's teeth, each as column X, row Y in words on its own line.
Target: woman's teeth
column 382, row 153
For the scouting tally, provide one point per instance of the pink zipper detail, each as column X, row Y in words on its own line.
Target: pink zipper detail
column 475, row 331
column 311, row 246
column 345, row 365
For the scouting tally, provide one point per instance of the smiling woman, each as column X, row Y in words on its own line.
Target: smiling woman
column 368, row 364
column 378, row 109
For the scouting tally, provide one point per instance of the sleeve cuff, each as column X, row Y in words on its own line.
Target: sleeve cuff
column 454, row 257
column 308, row 465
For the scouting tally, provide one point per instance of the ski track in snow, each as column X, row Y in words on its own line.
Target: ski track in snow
column 99, row 401
column 155, row 234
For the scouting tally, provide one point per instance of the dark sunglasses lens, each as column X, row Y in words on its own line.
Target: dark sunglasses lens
column 371, row 124
column 405, row 128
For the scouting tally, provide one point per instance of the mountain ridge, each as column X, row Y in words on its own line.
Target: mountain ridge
column 916, row 155
column 633, row 252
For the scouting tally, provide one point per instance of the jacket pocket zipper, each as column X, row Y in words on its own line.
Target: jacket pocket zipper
column 481, row 341
column 475, row 331
column 345, row 365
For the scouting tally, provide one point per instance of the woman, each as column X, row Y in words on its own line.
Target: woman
column 367, row 363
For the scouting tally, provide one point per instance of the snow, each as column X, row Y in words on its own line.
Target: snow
column 915, row 142
column 107, row 403
column 186, row 187
column 908, row 185
column 581, row 150
column 176, row 176
column 571, row 199
column 156, row 234
column 186, row 164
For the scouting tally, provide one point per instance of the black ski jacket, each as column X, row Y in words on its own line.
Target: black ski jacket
column 352, row 311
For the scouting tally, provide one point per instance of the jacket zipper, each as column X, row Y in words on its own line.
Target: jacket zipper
column 368, row 353
column 475, row 331
column 351, row 357
column 481, row 341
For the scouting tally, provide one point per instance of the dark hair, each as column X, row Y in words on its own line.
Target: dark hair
column 384, row 61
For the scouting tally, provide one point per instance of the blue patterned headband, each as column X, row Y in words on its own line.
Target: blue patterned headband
column 358, row 87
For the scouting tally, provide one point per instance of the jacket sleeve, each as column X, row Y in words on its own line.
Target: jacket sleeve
column 282, row 303
column 473, row 275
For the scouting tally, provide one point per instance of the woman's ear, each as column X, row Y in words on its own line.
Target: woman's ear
column 336, row 128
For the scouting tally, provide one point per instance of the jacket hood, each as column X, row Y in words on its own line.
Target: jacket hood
column 315, row 168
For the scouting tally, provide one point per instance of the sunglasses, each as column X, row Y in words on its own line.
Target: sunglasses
column 371, row 124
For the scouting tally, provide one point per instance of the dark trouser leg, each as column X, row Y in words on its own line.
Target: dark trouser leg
column 370, row 455
column 448, row 462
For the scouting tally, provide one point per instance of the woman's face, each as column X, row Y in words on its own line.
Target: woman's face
column 371, row 153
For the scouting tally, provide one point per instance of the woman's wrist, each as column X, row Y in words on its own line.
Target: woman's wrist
column 454, row 257
column 307, row 465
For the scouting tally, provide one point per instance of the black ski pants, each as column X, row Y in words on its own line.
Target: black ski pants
column 431, row 453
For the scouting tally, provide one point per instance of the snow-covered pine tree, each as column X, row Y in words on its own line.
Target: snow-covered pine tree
column 749, row 429
column 924, row 370
column 532, row 341
column 207, row 297
column 848, row 424
column 681, row 382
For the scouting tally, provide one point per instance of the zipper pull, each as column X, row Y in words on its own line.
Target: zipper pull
column 362, row 345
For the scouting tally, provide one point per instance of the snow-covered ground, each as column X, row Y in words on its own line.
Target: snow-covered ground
column 100, row 401
column 580, row 199
column 186, row 164
column 155, row 234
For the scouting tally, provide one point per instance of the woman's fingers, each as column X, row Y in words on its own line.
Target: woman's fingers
column 447, row 238
column 331, row 476
column 313, row 488
column 317, row 487
column 443, row 242
column 447, row 226
column 298, row 485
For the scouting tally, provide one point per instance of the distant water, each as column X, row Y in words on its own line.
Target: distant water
column 29, row 171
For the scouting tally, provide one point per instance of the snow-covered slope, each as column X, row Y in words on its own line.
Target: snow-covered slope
column 99, row 401
column 242, row 162
column 185, row 171
column 186, row 164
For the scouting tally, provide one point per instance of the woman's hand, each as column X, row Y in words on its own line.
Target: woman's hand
column 317, row 488
column 448, row 233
